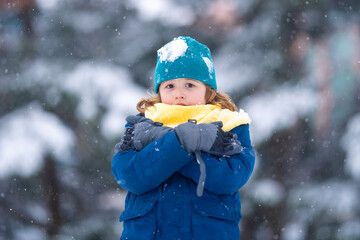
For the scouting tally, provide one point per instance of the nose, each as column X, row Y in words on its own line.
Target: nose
column 179, row 94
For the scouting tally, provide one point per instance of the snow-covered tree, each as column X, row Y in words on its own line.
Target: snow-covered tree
column 72, row 70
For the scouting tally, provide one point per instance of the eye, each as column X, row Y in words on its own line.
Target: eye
column 169, row 86
column 190, row 85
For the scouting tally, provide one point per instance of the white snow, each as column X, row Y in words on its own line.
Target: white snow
column 167, row 11
column 84, row 21
column 335, row 198
column 39, row 72
column 331, row 199
column 108, row 86
column 173, row 50
column 279, row 109
column 240, row 64
column 266, row 192
column 47, row 5
column 112, row 200
column 37, row 211
column 229, row 77
column 27, row 135
column 294, row 231
column 96, row 85
column 349, row 230
column 209, row 64
column 351, row 144
column 29, row 233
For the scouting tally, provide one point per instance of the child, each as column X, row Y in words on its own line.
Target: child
column 185, row 127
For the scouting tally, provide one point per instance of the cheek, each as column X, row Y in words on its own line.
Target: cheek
column 164, row 98
column 201, row 99
column 204, row 96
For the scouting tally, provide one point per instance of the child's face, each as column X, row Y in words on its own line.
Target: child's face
column 182, row 91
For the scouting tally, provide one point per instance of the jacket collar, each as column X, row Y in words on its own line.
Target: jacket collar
column 173, row 115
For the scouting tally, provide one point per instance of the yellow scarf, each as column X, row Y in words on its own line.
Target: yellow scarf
column 173, row 115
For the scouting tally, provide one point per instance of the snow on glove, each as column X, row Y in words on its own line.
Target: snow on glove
column 207, row 137
column 146, row 131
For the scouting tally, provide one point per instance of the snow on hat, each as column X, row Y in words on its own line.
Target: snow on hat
column 184, row 57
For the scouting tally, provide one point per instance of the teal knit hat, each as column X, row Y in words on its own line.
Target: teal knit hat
column 184, row 57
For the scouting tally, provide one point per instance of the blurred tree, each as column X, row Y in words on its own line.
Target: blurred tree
column 293, row 65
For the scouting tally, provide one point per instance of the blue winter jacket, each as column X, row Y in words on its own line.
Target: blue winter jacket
column 161, row 180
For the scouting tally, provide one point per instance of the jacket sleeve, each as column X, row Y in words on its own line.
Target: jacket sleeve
column 225, row 175
column 142, row 171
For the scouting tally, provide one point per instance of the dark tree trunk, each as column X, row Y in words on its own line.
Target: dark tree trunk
column 51, row 196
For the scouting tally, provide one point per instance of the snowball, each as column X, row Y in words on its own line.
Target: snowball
column 173, row 50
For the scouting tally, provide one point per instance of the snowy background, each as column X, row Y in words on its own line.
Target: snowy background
column 72, row 70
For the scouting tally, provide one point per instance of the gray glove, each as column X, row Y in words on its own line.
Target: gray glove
column 127, row 141
column 145, row 131
column 207, row 137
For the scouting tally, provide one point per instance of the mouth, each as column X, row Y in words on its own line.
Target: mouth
column 181, row 104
